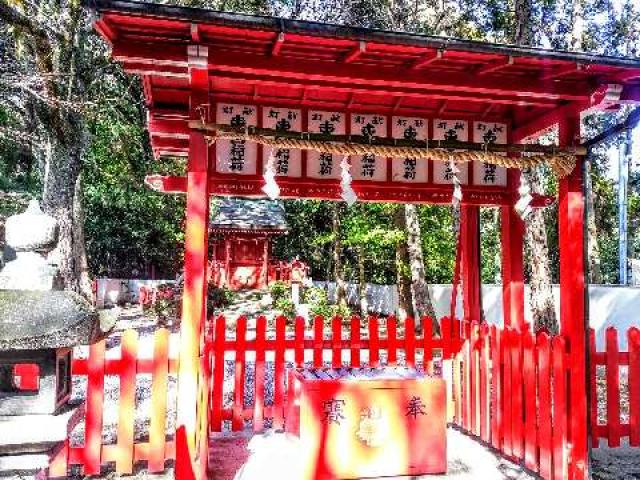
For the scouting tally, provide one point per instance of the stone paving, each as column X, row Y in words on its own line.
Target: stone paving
column 272, row 456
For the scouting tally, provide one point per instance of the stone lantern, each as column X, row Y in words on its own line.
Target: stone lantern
column 39, row 325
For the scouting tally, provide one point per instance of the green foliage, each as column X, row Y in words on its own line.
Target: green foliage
column 285, row 307
column 167, row 303
column 438, row 242
column 219, row 297
column 279, row 290
column 316, row 298
column 129, row 228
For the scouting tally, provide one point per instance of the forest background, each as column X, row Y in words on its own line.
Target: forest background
column 73, row 134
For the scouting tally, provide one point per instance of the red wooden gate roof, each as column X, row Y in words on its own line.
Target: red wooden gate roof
column 265, row 60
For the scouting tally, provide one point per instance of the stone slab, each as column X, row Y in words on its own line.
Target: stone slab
column 17, row 466
column 36, row 433
column 45, row 319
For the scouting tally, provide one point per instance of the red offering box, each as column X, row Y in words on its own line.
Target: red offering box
column 361, row 423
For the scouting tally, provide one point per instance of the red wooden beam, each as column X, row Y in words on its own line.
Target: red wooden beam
column 320, row 71
column 427, row 59
column 355, row 53
column 564, row 71
column 375, row 89
column 104, row 29
column 167, row 127
column 147, row 90
column 547, row 120
column 495, row 66
column 277, row 45
column 367, row 191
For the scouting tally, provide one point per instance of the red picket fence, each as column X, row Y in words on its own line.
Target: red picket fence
column 610, row 395
column 510, row 390
column 297, row 340
column 155, row 450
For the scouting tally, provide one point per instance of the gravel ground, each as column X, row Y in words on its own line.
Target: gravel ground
column 619, row 463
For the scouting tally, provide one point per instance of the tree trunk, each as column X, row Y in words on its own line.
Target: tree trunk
column 593, row 247
column 362, row 283
column 524, row 25
column 403, row 271
column 79, row 242
column 61, row 175
column 419, row 288
column 338, row 274
column 542, row 300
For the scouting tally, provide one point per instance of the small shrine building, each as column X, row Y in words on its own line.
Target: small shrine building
column 241, row 243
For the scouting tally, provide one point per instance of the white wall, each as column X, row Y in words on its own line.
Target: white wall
column 110, row 291
column 609, row 305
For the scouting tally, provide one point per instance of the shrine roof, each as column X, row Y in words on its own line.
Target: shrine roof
column 292, row 63
column 240, row 214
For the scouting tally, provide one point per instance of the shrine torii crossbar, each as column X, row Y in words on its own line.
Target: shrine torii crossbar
column 201, row 67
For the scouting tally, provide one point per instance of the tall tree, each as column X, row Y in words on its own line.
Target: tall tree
column 403, row 269
column 338, row 271
column 542, row 300
column 423, row 306
column 53, row 72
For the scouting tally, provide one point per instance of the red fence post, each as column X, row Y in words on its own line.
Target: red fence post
column 218, row 374
column 159, row 385
column 496, row 389
column 560, row 390
column 517, row 392
column 237, row 422
column 126, row 406
column 261, row 345
column 355, row 342
column 336, row 342
column 507, row 426
column 392, row 353
column 613, row 388
column 410, row 342
column 633, row 342
column 543, row 346
column 593, row 390
column 374, row 342
column 299, row 345
column 278, row 390
column 318, row 339
column 427, row 343
column 530, row 401
column 93, row 420
column 484, row 383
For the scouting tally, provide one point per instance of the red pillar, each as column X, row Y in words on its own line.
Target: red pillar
column 470, row 243
column 512, row 230
column 189, row 465
column 573, row 321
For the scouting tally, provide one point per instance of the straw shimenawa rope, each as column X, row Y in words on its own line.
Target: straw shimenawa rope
column 562, row 163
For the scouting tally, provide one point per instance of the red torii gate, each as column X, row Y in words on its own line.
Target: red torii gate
column 200, row 65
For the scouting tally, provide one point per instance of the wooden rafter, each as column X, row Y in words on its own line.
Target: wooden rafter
column 356, row 52
column 495, row 66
